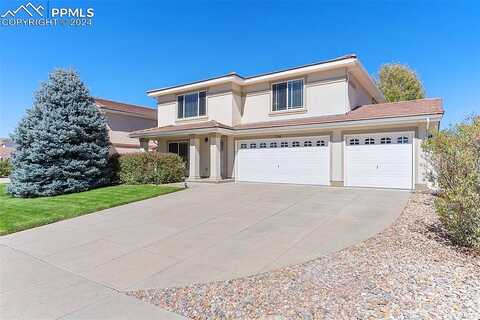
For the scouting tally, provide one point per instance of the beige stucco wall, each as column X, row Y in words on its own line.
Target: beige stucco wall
column 120, row 125
column 220, row 104
column 325, row 93
column 220, row 107
column 167, row 110
column 357, row 95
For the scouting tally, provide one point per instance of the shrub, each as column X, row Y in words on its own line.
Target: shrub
column 454, row 159
column 62, row 142
column 150, row 167
column 5, row 167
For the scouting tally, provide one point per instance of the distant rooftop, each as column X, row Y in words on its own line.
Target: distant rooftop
column 125, row 107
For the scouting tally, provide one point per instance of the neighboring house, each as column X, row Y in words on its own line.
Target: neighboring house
column 124, row 118
column 324, row 124
column 6, row 148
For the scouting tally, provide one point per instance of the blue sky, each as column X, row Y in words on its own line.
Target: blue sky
column 138, row 45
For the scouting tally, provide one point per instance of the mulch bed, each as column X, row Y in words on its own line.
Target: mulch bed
column 409, row 271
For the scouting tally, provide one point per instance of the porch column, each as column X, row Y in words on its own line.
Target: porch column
column 194, row 158
column 162, row 145
column 215, row 157
column 337, row 158
column 230, row 157
column 143, row 144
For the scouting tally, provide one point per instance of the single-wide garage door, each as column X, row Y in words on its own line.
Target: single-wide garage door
column 303, row 160
column 379, row 160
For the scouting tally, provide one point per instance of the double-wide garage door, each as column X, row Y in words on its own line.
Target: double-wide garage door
column 303, row 160
column 379, row 160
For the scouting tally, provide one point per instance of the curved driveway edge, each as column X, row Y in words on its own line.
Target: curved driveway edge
column 205, row 233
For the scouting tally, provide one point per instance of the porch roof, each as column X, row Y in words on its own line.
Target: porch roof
column 404, row 110
column 187, row 128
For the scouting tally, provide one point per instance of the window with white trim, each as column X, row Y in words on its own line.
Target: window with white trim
column 402, row 140
column 253, row 145
column 273, row 144
column 385, row 140
column 284, row 144
column 192, row 105
column 321, row 143
column 287, row 95
column 263, row 145
column 295, row 144
column 354, row 141
column 369, row 141
column 307, row 144
column 243, row 146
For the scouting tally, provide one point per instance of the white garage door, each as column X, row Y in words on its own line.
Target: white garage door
column 379, row 160
column 304, row 160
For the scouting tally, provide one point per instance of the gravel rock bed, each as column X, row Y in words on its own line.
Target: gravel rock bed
column 409, row 271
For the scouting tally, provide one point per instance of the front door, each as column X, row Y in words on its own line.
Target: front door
column 181, row 149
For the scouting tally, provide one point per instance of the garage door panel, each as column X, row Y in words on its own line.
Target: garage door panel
column 371, row 163
column 301, row 164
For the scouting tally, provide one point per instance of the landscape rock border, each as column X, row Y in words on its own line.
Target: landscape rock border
column 409, row 271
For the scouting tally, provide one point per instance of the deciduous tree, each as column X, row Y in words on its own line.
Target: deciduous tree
column 399, row 83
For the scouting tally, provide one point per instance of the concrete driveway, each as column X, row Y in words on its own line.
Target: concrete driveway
column 79, row 268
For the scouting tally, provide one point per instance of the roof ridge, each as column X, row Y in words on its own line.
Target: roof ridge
column 127, row 104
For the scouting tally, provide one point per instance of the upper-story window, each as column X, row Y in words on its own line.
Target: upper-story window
column 287, row 95
column 192, row 105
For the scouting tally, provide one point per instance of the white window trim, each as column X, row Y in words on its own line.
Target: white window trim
column 198, row 101
column 288, row 110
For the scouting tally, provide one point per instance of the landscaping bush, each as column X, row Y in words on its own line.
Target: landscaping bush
column 454, row 160
column 150, row 167
column 5, row 167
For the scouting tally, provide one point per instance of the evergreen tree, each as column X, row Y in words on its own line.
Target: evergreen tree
column 62, row 143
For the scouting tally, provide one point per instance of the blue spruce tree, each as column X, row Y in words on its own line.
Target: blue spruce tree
column 62, row 142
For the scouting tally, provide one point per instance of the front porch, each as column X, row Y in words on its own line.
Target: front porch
column 208, row 157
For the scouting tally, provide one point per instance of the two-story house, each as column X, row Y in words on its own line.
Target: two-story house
column 323, row 124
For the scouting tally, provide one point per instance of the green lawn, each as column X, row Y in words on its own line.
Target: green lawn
column 19, row 214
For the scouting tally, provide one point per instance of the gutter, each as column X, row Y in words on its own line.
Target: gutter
column 344, row 61
column 296, row 128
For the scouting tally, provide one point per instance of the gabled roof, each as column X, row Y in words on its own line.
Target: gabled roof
column 126, row 108
column 404, row 109
column 348, row 62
